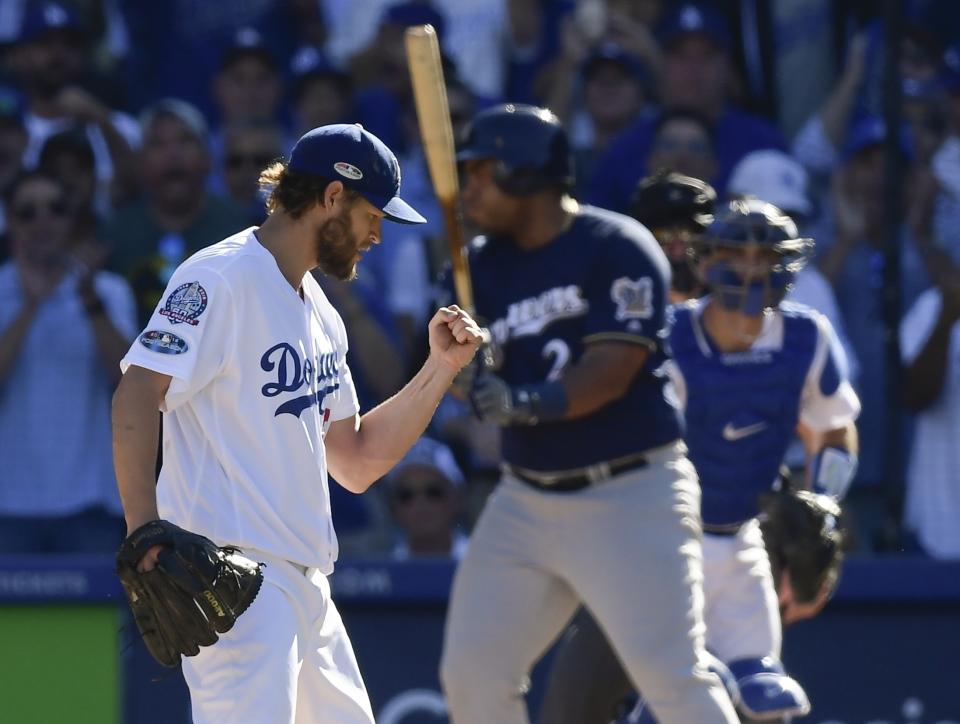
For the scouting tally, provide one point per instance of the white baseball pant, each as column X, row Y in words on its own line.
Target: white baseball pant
column 741, row 611
column 287, row 660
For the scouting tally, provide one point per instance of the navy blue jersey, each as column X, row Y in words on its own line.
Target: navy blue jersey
column 605, row 278
column 742, row 408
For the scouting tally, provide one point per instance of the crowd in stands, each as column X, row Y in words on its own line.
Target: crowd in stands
column 132, row 134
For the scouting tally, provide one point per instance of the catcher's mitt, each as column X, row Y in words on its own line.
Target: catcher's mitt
column 803, row 536
column 196, row 591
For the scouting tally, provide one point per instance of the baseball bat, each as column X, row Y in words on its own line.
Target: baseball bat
column 433, row 116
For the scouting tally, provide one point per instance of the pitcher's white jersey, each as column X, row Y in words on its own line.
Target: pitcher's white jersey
column 259, row 374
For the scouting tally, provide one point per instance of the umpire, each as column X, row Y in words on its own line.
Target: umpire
column 597, row 503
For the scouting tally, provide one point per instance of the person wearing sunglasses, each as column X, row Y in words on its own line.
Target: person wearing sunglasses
column 247, row 148
column 63, row 330
column 426, row 500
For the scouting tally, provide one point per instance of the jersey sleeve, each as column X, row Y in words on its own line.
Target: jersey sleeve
column 190, row 334
column 917, row 326
column 627, row 293
column 828, row 400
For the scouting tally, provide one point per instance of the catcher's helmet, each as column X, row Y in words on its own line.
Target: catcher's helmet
column 669, row 199
column 528, row 143
column 745, row 224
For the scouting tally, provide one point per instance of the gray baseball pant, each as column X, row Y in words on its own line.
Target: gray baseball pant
column 629, row 548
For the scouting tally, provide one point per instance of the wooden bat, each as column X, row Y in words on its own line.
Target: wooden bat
column 433, row 114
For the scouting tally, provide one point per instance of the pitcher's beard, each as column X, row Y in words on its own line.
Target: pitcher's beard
column 337, row 248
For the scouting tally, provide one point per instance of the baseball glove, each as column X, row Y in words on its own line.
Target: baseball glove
column 803, row 537
column 195, row 593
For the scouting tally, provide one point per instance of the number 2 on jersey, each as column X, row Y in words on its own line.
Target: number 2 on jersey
column 560, row 352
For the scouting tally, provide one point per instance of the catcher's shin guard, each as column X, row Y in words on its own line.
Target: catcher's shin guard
column 766, row 692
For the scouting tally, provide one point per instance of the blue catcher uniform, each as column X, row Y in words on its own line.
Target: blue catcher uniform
column 741, row 413
column 743, row 408
column 600, row 509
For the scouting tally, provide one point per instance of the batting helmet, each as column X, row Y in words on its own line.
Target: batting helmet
column 744, row 224
column 528, row 143
column 669, row 199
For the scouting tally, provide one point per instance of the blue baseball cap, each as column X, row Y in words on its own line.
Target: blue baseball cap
column 950, row 71
column 248, row 42
column 696, row 17
column 415, row 12
column 48, row 17
column 869, row 130
column 429, row 453
column 362, row 162
column 613, row 53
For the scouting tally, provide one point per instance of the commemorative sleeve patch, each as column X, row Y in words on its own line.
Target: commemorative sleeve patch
column 163, row 342
column 633, row 297
column 185, row 304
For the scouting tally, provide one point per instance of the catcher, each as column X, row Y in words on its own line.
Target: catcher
column 749, row 370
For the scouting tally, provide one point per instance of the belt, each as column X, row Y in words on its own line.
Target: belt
column 723, row 529
column 567, row 481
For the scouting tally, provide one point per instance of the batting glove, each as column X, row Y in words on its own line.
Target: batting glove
column 495, row 401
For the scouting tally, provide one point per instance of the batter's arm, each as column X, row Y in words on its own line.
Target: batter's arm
column 601, row 376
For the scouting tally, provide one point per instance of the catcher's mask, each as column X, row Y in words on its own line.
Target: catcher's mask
column 750, row 255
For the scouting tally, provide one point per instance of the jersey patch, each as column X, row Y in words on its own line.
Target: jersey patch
column 348, row 170
column 633, row 297
column 185, row 304
column 163, row 342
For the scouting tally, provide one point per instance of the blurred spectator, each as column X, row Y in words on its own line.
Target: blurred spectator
column 593, row 25
column 375, row 356
column 247, row 90
column 248, row 86
column 248, row 149
column 930, row 348
column 383, row 61
column 533, row 47
column 176, row 46
column 945, row 159
column 49, row 61
column 321, row 94
column 425, row 492
column 13, row 143
column 405, row 265
column 777, row 178
column 612, row 96
column 683, row 142
column 69, row 157
column 697, row 75
column 853, row 260
column 177, row 215
column 380, row 72
column 474, row 33
column 63, row 330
